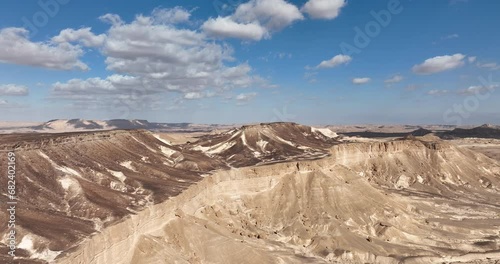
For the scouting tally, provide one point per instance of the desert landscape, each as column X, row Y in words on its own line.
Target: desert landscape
column 262, row 193
column 249, row 132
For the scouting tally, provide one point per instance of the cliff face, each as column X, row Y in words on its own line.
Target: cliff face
column 71, row 186
column 89, row 197
column 425, row 166
column 396, row 202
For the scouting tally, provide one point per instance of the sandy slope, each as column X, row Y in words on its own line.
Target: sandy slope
column 72, row 185
column 393, row 202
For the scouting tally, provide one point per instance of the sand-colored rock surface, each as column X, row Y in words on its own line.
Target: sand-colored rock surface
column 72, row 185
column 404, row 201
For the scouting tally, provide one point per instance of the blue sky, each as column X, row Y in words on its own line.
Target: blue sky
column 235, row 61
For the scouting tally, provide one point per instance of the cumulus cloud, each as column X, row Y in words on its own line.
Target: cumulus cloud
column 83, row 36
column 335, row 61
column 182, row 59
column 471, row 59
column 359, row 81
column 171, row 15
column 451, row 36
column 395, row 79
column 323, row 9
column 256, row 19
column 198, row 95
column 273, row 14
column 112, row 19
column 16, row 48
column 245, row 97
column 225, row 27
column 471, row 90
column 120, row 94
column 152, row 58
column 193, row 95
column 439, row 64
column 7, row 104
column 13, row 90
column 489, row 65
column 437, row 92
column 112, row 85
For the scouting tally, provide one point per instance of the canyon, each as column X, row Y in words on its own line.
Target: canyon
column 264, row 193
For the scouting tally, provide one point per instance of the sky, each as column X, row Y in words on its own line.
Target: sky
column 239, row 61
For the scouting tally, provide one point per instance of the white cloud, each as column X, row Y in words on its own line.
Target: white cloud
column 171, row 15
column 225, row 27
column 490, row 65
column 116, row 93
column 245, row 97
column 323, row 9
column 151, row 59
column 181, row 58
column 451, row 36
column 437, row 92
column 112, row 19
column 272, row 14
column 471, row 59
column 254, row 20
column 198, row 95
column 193, row 95
column 359, row 81
column 113, row 85
column 83, row 36
column 471, row 90
column 439, row 64
column 395, row 79
column 13, row 90
column 6, row 104
column 16, row 48
column 335, row 61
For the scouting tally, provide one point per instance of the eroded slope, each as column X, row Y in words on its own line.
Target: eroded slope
column 404, row 201
column 267, row 143
column 73, row 185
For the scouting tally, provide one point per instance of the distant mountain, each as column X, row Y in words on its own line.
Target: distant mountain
column 420, row 132
column 72, row 125
column 267, row 143
column 484, row 131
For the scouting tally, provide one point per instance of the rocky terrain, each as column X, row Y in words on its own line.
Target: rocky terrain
column 268, row 193
column 73, row 185
column 266, row 143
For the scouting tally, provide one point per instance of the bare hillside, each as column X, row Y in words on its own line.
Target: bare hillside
column 266, row 193
column 367, row 203
column 267, row 143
